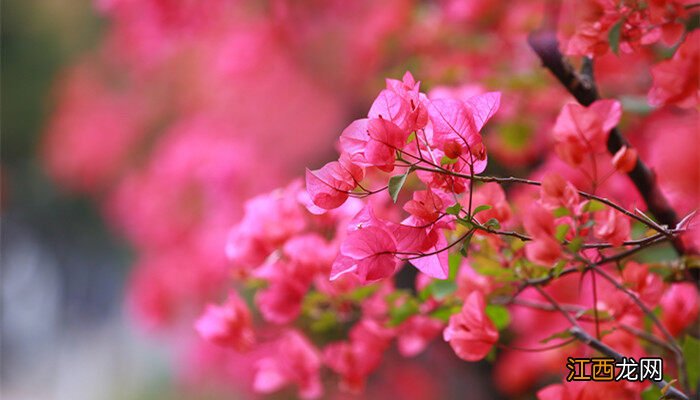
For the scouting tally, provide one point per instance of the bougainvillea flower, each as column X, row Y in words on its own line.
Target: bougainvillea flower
column 557, row 192
column 416, row 333
column 228, row 324
column 611, row 226
column 434, row 262
column 353, row 141
column 412, row 114
column 471, row 333
column 648, row 285
column 491, row 194
column 371, row 250
column 294, row 360
column 330, row 186
column 426, row 205
column 280, row 302
column 539, row 223
column 456, row 125
column 385, row 139
column 355, row 359
column 680, row 307
column 676, row 81
column 584, row 24
column 625, row 159
column 583, row 130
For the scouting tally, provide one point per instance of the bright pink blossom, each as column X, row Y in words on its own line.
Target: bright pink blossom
column 676, row 81
column 330, row 186
column 385, row 139
column 583, row 130
column 469, row 281
column 584, row 24
column 471, row 333
column 680, row 307
column 408, row 89
column 294, row 360
column 611, row 226
column 539, row 223
column 355, row 359
column 369, row 252
column 557, row 192
column 492, row 194
column 280, row 302
column 228, row 324
column 625, row 159
column 426, row 205
column 402, row 104
column 456, row 126
column 416, row 333
column 648, row 285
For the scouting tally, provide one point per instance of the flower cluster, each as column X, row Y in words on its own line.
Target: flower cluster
column 328, row 258
column 593, row 27
column 416, row 234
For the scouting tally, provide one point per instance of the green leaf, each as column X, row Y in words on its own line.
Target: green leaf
column 438, row 289
column 558, row 268
column 559, row 335
column 465, row 222
column 454, row 209
column 575, row 245
column 490, row 267
column 442, row 289
column 601, row 314
column 396, row 183
column 691, row 353
column 593, row 205
column 499, row 315
column 614, row 36
column 464, row 248
column 651, row 393
column 481, row 208
column 447, row 160
column 403, row 312
column 454, row 260
column 493, row 223
column 517, row 244
column 362, row 292
column 561, row 212
column 561, row 232
column 445, row 312
column 324, row 323
column 411, row 137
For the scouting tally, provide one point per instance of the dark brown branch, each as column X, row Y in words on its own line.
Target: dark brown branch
column 583, row 88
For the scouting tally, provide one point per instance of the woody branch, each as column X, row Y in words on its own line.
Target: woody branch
column 584, row 90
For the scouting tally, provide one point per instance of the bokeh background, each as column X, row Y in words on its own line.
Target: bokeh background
column 64, row 332
column 133, row 131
